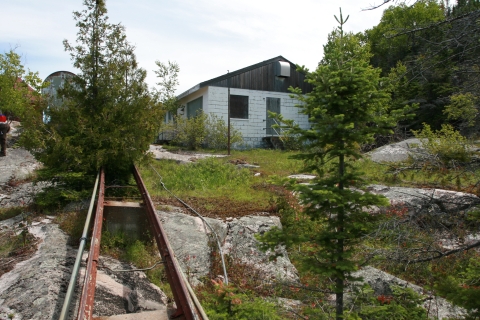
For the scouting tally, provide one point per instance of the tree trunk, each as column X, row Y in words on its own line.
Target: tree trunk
column 339, row 283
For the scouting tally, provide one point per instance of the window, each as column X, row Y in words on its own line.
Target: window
column 239, row 107
column 168, row 117
column 195, row 107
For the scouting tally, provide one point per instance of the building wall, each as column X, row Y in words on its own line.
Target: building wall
column 197, row 94
column 253, row 129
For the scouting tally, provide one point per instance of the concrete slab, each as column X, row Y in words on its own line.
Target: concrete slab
column 130, row 220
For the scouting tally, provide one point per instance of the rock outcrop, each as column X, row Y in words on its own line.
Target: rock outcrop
column 446, row 206
column 192, row 241
column 35, row 288
column 15, row 168
column 241, row 244
column 398, row 152
column 382, row 282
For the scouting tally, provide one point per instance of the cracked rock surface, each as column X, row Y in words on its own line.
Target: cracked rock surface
column 36, row 288
column 190, row 240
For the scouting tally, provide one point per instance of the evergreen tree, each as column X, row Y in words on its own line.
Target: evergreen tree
column 438, row 44
column 347, row 107
column 109, row 117
column 407, row 35
column 391, row 40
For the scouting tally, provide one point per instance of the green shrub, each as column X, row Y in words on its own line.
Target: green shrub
column 447, row 144
column 227, row 303
column 64, row 188
column 202, row 131
column 463, row 288
column 189, row 133
column 462, row 107
column 217, row 133
column 403, row 303
column 292, row 142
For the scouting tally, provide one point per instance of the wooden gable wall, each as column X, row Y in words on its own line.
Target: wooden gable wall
column 261, row 77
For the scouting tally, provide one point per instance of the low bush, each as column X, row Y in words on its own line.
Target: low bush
column 208, row 131
column 446, row 144
column 227, row 302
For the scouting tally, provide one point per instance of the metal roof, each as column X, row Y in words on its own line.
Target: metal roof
column 231, row 75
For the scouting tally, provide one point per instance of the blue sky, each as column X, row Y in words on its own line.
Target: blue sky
column 205, row 37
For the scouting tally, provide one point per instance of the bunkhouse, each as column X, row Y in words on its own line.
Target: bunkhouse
column 254, row 91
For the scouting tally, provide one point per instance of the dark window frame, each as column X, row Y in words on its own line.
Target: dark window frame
column 239, row 106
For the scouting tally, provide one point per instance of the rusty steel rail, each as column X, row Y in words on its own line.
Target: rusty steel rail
column 188, row 308
column 185, row 304
column 78, row 260
column 85, row 310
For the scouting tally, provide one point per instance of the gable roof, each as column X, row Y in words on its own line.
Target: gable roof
column 259, row 76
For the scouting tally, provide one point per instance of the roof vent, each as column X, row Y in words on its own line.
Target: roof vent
column 282, row 69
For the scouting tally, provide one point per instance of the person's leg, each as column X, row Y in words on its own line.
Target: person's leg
column 3, row 145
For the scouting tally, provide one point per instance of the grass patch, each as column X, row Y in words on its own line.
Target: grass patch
column 15, row 246
column 218, row 188
column 72, row 223
column 271, row 162
column 7, row 213
column 205, row 178
column 464, row 178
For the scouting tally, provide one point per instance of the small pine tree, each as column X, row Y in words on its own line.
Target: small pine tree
column 347, row 107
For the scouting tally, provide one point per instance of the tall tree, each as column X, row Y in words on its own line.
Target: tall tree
column 443, row 61
column 347, row 107
column 388, row 40
column 109, row 116
column 167, row 75
column 428, row 77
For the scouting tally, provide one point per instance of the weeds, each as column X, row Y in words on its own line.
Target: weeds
column 72, row 223
column 15, row 246
column 245, row 296
column 140, row 253
column 7, row 213
column 228, row 302
column 219, row 189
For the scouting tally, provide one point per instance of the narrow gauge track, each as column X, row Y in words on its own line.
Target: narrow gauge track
column 188, row 307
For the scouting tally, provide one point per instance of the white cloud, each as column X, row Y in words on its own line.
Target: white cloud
column 206, row 37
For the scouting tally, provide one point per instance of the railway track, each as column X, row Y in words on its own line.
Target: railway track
column 188, row 307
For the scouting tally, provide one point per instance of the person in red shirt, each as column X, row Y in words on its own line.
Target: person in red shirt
column 4, row 129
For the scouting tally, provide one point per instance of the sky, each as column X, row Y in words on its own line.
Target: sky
column 206, row 38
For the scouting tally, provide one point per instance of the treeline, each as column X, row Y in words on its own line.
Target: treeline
column 433, row 47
